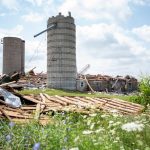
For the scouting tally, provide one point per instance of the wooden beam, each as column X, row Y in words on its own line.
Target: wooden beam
column 44, row 99
column 5, row 114
column 55, row 100
column 6, row 84
column 29, row 98
column 37, row 112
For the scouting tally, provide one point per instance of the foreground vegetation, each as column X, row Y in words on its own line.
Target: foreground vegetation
column 72, row 131
column 79, row 132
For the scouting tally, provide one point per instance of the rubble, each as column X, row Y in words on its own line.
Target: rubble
column 105, row 83
column 37, row 106
column 30, row 80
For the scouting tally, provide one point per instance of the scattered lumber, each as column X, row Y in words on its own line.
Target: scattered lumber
column 38, row 106
column 6, row 84
column 5, row 114
column 37, row 112
column 44, row 101
column 33, row 100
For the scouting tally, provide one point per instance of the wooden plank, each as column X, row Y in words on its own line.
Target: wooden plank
column 120, row 108
column 29, row 98
column 37, row 112
column 28, row 108
column 53, row 99
column 89, row 84
column 5, row 114
column 96, row 101
column 16, row 114
column 66, row 100
column 125, row 103
column 111, row 106
column 14, row 110
column 78, row 102
column 109, row 101
column 44, row 101
column 6, row 84
column 134, row 104
column 84, row 100
column 2, row 102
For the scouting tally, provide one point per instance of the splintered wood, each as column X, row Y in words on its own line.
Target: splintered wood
column 43, row 103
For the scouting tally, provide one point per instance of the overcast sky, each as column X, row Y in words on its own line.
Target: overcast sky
column 113, row 36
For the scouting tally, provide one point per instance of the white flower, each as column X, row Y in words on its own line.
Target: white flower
column 118, row 138
column 117, row 123
column 112, row 132
column 88, row 122
column 99, row 130
column 92, row 115
column 76, row 139
column 92, row 126
column 104, row 115
column 74, row 148
column 84, row 116
column 110, row 122
column 122, row 148
column 87, row 132
column 132, row 126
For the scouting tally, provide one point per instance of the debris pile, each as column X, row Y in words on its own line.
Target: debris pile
column 30, row 80
column 37, row 106
column 105, row 83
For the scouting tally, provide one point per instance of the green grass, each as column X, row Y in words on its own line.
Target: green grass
column 76, row 93
column 71, row 130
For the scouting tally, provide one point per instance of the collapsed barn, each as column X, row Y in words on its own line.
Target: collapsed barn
column 105, row 83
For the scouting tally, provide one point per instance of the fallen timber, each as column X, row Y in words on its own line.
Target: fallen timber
column 43, row 103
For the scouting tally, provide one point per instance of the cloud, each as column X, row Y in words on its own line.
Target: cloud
column 10, row 4
column 140, row 2
column 33, row 17
column 111, row 10
column 16, row 31
column 110, row 49
column 36, row 52
column 143, row 32
column 2, row 14
column 39, row 2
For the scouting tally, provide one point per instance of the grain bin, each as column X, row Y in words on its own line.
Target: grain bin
column 13, row 55
column 61, row 53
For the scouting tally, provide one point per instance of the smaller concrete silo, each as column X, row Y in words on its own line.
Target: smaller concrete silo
column 13, row 55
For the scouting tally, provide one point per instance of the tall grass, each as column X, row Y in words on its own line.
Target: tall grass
column 73, row 131
column 143, row 97
column 145, row 90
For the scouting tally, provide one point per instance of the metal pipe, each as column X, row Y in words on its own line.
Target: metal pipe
column 50, row 27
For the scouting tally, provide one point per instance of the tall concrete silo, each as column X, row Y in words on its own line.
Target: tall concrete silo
column 13, row 55
column 61, row 53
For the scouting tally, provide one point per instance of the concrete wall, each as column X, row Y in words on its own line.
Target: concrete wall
column 13, row 55
column 61, row 53
column 82, row 85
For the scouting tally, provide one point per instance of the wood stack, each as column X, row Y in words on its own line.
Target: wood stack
column 39, row 105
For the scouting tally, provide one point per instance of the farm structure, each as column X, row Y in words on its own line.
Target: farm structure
column 13, row 55
column 105, row 83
